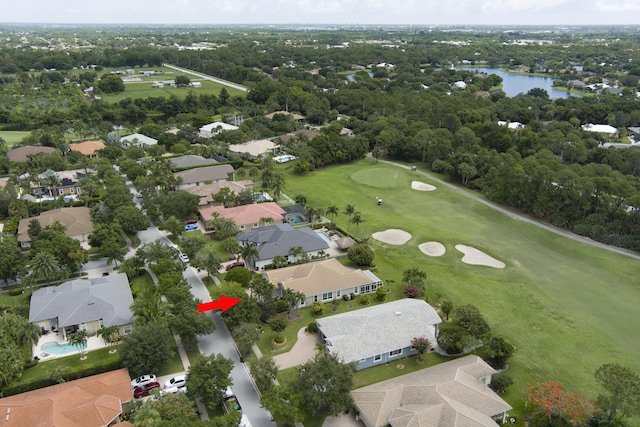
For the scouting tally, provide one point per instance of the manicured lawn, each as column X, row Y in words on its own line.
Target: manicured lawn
column 566, row 306
column 172, row 365
column 144, row 90
column 63, row 364
column 13, row 137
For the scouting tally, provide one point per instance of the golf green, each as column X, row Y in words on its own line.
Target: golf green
column 379, row 177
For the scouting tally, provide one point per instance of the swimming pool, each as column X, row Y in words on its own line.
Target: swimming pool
column 261, row 197
column 295, row 218
column 55, row 348
column 324, row 236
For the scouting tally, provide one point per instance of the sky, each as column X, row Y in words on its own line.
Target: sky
column 374, row 12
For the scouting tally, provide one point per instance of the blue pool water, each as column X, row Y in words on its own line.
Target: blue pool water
column 55, row 348
column 260, row 198
column 324, row 237
column 296, row 218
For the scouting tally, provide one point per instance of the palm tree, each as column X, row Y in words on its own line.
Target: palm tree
column 333, row 211
column 296, row 252
column 52, row 182
column 44, row 266
column 357, row 219
column 147, row 307
column 249, row 253
column 349, row 210
column 79, row 341
column 266, row 220
column 109, row 334
column 277, row 185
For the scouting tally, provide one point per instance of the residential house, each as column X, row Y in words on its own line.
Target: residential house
column 77, row 222
column 205, row 175
column 88, row 148
column 83, row 305
column 255, row 149
column 296, row 117
column 511, row 125
column 603, row 129
column 137, row 140
column 302, row 133
column 379, row 334
column 246, row 217
column 206, row 192
column 94, row 401
column 277, row 240
column 454, row 393
column 24, row 153
column 215, row 128
column 191, row 161
column 51, row 185
column 323, row 281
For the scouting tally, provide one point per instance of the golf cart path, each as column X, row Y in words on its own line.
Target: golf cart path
column 514, row 215
column 207, row 77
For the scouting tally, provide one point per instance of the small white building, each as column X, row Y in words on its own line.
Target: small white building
column 606, row 129
column 215, row 128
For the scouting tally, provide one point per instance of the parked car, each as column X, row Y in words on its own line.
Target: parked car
column 183, row 257
column 170, row 390
column 190, row 227
column 234, row 264
column 177, row 381
column 143, row 380
column 191, row 221
column 145, row 389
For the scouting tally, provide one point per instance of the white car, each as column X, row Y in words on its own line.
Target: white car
column 183, row 257
column 228, row 393
column 143, row 380
column 178, row 381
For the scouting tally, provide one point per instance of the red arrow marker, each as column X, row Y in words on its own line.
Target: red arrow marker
column 224, row 304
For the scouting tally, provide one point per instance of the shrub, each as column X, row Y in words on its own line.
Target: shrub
column 361, row 254
column 500, row 382
column 15, row 292
column 352, row 296
column 411, row 291
column 381, row 293
column 279, row 339
column 318, row 308
column 364, row 299
column 346, row 297
column 452, row 339
column 281, row 306
column 312, row 327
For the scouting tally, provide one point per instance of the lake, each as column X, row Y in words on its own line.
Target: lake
column 514, row 84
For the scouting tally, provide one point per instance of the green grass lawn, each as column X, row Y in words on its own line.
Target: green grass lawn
column 566, row 306
column 13, row 137
column 62, row 364
column 144, row 90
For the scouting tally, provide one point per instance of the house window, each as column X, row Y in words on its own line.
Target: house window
column 127, row 329
column 301, row 303
column 60, row 191
column 327, row 296
column 338, row 294
column 71, row 190
column 255, row 225
column 377, row 358
column 315, row 298
column 100, row 324
column 395, row 353
column 242, row 227
column 365, row 289
column 355, row 290
column 83, row 327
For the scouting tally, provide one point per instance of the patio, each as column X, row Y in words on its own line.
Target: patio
column 93, row 343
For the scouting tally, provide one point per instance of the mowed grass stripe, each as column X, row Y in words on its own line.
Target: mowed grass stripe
column 568, row 307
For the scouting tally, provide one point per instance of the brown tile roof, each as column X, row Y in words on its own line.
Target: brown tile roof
column 446, row 395
column 76, row 220
column 246, row 214
column 206, row 191
column 87, row 402
column 21, row 154
column 207, row 173
column 88, row 148
column 318, row 277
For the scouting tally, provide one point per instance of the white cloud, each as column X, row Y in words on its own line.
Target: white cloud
column 622, row 6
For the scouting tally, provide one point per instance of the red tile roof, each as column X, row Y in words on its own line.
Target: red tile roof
column 246, row 214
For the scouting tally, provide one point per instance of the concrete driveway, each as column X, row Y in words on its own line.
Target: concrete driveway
column 303, row 350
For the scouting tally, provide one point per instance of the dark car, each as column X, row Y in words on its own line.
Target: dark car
column 234, row 264
column 191, row 221
column 145, row 389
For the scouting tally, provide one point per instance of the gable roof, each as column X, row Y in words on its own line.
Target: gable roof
column 278, row 239
column 141, row 139
column 223, row 126
column 22, row 154
column 88, row 148
column 314, row 278
column 206, row 191
column 80, row 301
column 77, row 222
column 446, row 395
column 367, row 332
column 190, row 160
column 87, row 402
column 245, row 214
column 207, row 173
column 590, row 127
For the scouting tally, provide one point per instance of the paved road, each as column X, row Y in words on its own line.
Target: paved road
column 219, row 341
column 517, row 216
column 207, row 77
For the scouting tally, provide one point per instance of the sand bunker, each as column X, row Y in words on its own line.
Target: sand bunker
column 476, row 257
column 432, row 248
column 421, row 186
column 392, row 236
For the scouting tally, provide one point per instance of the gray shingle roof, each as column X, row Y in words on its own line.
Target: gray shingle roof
column 207, row 173
column 80, row 301
column 278, row 239
column 364, row 333
column 190, row 160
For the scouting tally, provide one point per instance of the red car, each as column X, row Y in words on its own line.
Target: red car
column 191, row 221
column 234, row 264
column 145, row 389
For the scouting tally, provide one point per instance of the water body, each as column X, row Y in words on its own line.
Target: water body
column 515, row 84
column 350, row 76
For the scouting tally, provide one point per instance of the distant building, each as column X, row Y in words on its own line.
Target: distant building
column 77, row 222
column 215, row 128
column 604, row 129
column 88, row 148
column 256, row 148
column 24, row 153
column 137, row 140
column 295, row 117
column 204, row 175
